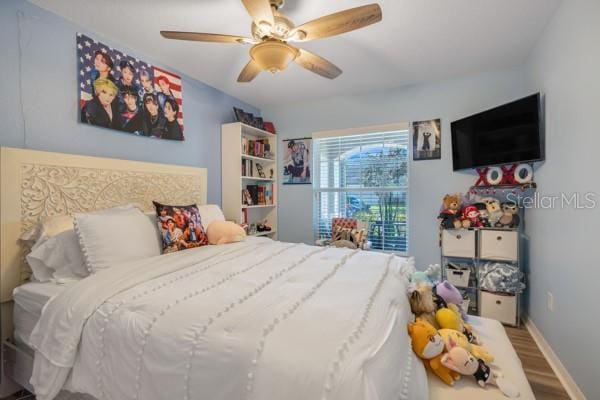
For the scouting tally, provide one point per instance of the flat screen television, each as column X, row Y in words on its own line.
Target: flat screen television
column 511, row 133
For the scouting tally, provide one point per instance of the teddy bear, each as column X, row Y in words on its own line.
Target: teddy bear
column 460, row 360
column 494, row 210
column 450, row 335
column 421, row 302
column 449, row 217
column 221, row 232
column 510, row 215
column 429, row 346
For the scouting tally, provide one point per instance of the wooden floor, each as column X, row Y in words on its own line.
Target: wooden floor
column 544, row 382
column 542, row 379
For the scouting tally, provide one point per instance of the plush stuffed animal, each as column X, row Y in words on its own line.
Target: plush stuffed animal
column 470, row 217
column 429, row 346
column 449, row 318
column 460, row 360
column 347, row 237
column 421, row 302
column 449, row 217
column 510, row 215
column 430, row 276
column 454, row 338
column 484, row 215
column 221, row 232
column 343, row 243
column 494, row 210
column 451, row 295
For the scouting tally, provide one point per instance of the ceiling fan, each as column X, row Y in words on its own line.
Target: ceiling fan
column 272, row 31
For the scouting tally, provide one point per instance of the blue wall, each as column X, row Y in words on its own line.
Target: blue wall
column 429, row 180
column 564, row 251
column 49, row 96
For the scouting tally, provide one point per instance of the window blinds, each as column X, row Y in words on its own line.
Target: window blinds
column 363, row 176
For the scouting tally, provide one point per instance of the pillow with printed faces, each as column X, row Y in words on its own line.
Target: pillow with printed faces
column 180, row 227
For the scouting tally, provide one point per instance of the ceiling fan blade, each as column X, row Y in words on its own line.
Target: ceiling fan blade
column 318, row 65
column 250, row 71
column 338, row 23
column 260, row 10
column 206, row 37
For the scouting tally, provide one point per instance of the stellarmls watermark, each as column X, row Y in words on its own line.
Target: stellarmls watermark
column 578, row 201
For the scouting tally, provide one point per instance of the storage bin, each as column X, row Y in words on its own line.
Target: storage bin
column 499, row 306
column 499, row 245
column 458, row 277
column 458, row 243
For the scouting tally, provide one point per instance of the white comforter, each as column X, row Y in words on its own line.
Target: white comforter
column 252, row 320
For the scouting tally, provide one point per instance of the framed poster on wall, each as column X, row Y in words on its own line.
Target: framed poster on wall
column 427, row 140
column 296, row 161
column 121, row 92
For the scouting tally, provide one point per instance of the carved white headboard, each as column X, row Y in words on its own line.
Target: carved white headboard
column 36, row 184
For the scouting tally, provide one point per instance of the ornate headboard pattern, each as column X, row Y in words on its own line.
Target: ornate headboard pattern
column 35, row 184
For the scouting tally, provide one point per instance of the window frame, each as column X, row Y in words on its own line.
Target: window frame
column 376, row 129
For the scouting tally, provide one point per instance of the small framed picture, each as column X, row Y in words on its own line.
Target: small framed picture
column 239, row 114
column 427, row 140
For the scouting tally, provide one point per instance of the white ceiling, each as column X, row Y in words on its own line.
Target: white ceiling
column 417, row 41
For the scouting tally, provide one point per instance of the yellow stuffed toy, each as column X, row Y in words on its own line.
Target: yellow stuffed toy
column 460, row 340
column 429, row 346
column 450, row 318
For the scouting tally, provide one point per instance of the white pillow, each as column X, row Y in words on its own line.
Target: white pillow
column 60, row 255
column 55, row 252
column 210, row 213
column 115, row 235
column 47, row 227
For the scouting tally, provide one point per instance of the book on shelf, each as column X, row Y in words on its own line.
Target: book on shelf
column 256, row 147
column 247, row 168
column 259, row 195
column 253, row 190
column 246, row 198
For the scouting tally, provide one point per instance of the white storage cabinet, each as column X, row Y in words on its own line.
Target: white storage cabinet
column 475, row 247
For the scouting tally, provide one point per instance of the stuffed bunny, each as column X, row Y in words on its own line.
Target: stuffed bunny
column 460, row 360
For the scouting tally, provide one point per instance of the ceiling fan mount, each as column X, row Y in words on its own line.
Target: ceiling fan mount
column 280, row 29
column 272, row 33
column 277, row 4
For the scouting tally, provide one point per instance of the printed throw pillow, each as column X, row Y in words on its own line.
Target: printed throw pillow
column 180, row 226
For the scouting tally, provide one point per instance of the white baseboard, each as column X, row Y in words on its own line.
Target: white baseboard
column 559, row 369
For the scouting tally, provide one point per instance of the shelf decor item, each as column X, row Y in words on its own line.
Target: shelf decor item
column 510, row 174
column 269, row 127
column 427, row 140
column 261, row 173
column 296, row 161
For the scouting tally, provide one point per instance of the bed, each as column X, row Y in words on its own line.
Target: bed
column 258, row 319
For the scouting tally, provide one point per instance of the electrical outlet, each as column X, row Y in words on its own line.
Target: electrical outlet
column 550, row 301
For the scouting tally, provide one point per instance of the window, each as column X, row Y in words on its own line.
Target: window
column 363, row 176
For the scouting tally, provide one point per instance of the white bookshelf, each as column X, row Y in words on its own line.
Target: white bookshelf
column 233, row 182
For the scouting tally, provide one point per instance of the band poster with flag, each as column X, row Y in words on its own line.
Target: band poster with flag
column 121, row 92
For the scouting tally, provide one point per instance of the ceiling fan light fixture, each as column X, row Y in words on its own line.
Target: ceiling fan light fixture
column 273, row 56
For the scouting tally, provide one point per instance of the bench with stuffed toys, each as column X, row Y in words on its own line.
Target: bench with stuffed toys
column 466, row 357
